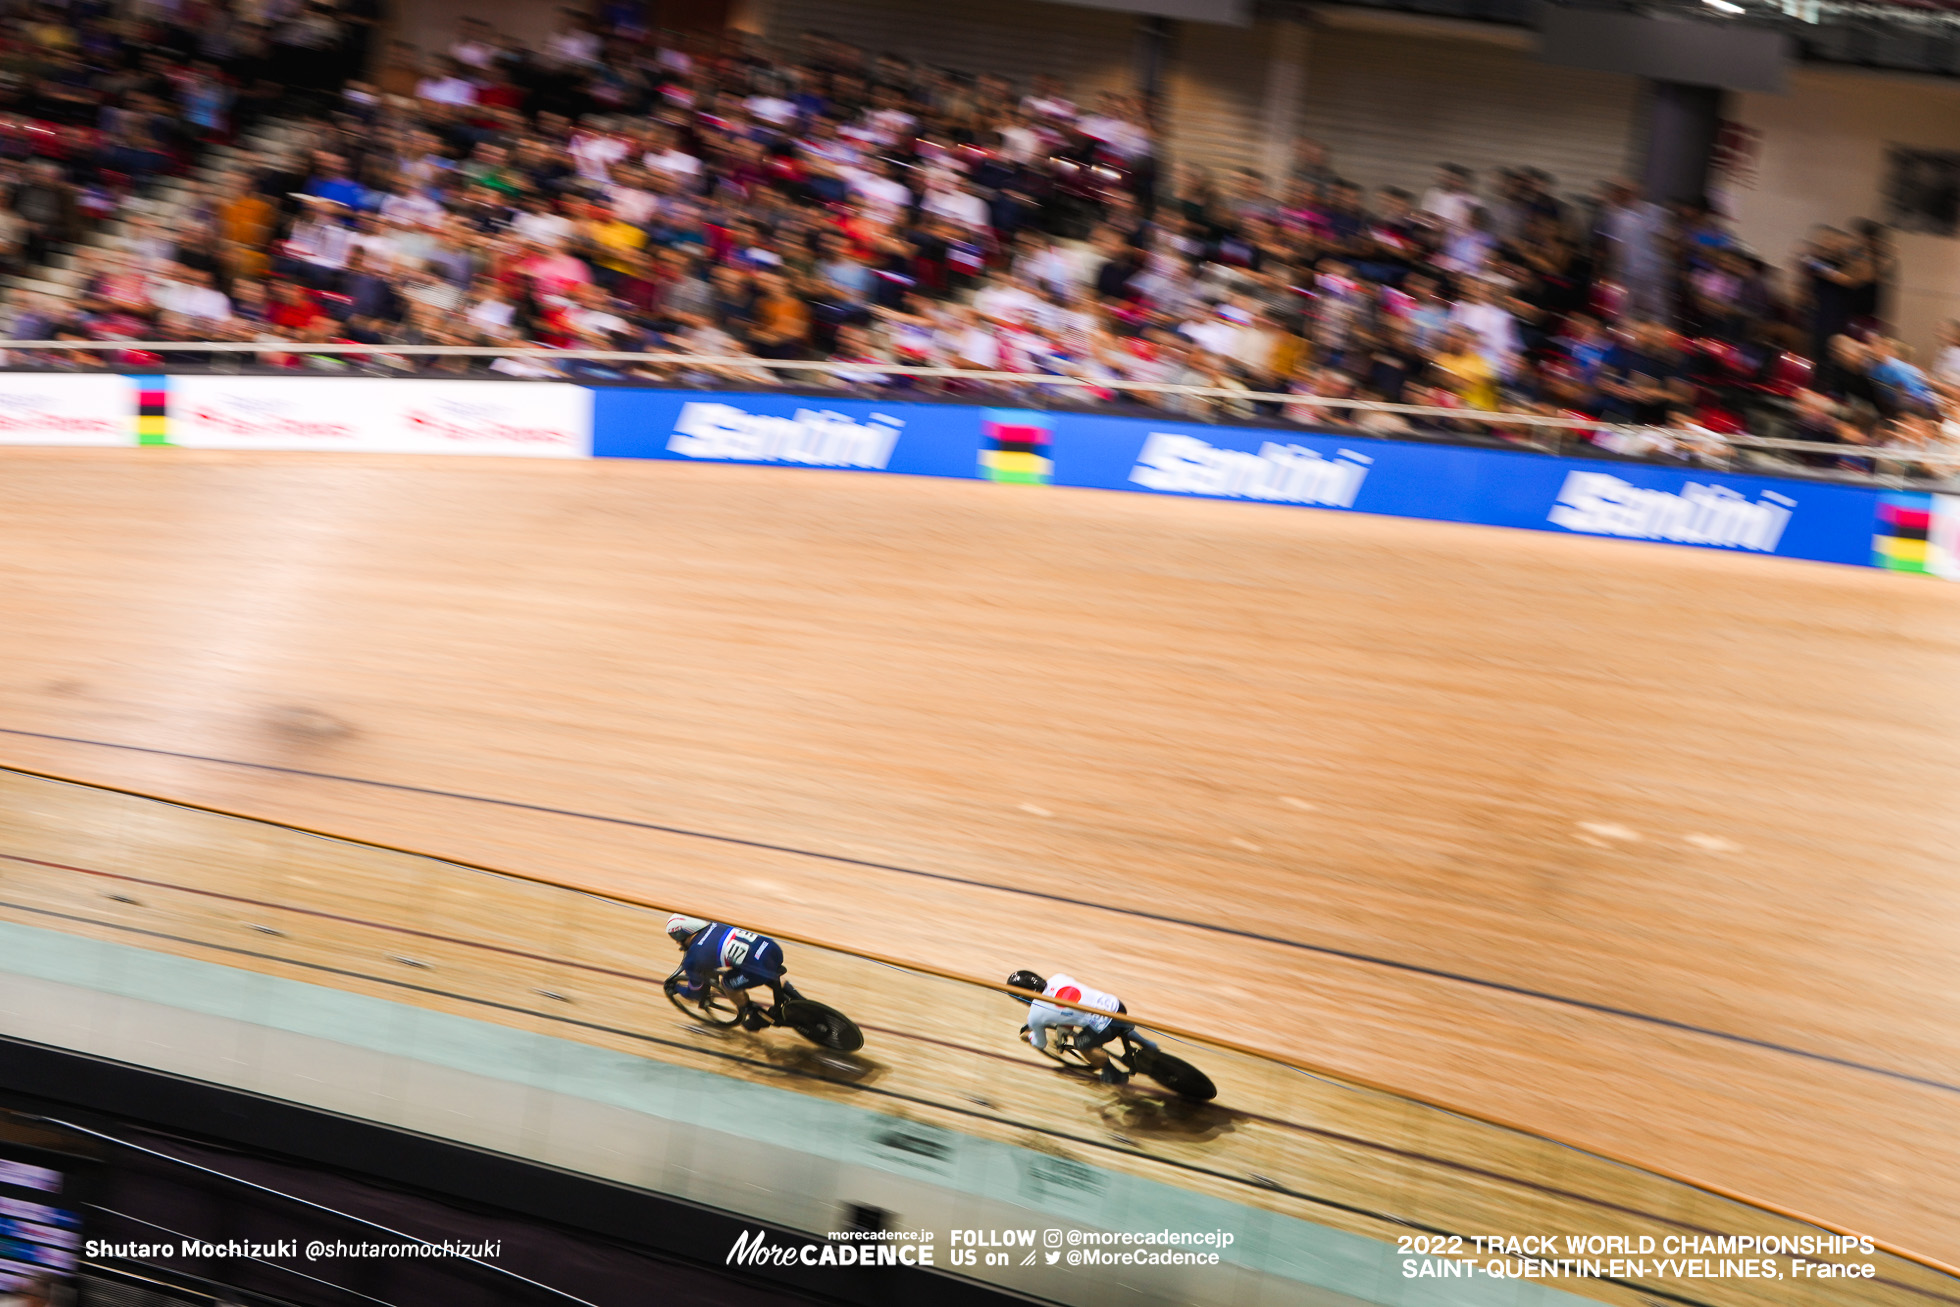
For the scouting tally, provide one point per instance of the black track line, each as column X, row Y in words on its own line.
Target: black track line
column 734, row 1058
column 897, row 1034
column 758, row 1064
column 1324, row 950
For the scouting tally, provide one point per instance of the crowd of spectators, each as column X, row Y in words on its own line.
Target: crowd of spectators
column 606, row 190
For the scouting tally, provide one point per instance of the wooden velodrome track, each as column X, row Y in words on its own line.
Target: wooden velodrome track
column 1646, row 847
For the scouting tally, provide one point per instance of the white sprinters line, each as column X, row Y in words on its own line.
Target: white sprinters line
column 1247, row 845
column 1036, row 810
column 1301, row 804
column 1712, row 843
column 1608, row 830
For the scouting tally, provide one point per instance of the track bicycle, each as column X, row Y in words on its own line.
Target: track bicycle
column 1133, row 1057
column 724, row 1009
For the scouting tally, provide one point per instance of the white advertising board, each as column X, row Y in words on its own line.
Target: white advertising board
column 88, row 408
column 380, row 415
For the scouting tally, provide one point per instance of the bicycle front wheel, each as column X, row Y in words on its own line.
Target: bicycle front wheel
column 712, row 1007
column 1060, row 1048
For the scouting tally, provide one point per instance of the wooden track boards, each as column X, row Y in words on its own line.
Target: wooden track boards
column 940, row 1053
column 1710, row 790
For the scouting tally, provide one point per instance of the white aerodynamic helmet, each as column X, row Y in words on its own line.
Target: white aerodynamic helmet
column 683, row 927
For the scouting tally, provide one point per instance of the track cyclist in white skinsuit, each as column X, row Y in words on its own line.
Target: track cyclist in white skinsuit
column 1086, row 1031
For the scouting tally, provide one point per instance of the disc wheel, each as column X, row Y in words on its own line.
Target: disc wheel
column 1178, row 1076
column 823, row 1026
column 712, row 1008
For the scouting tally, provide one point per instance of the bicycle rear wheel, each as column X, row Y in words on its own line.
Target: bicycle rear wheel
column 823, row 1026
column 713, row 1007
column 1174, row 1074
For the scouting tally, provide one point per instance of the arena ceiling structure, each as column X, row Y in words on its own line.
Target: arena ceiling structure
column 1921, row 36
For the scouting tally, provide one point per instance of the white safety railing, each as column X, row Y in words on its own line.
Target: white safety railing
column 1692, row 445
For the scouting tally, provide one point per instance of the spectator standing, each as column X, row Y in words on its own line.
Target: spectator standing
column 47, row 206
column 1493, row 329
column 1835, row 274
column 1878, row 270
column 1311, row 169
column 1946, row 364
column 1633, row 238
column 1452, row 199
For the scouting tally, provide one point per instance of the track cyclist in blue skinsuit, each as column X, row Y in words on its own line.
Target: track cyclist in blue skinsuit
column 741, row 959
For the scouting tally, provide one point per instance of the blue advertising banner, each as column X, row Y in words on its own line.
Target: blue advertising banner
column 1492, row 487
column 938, row 440
column 1752, row 514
